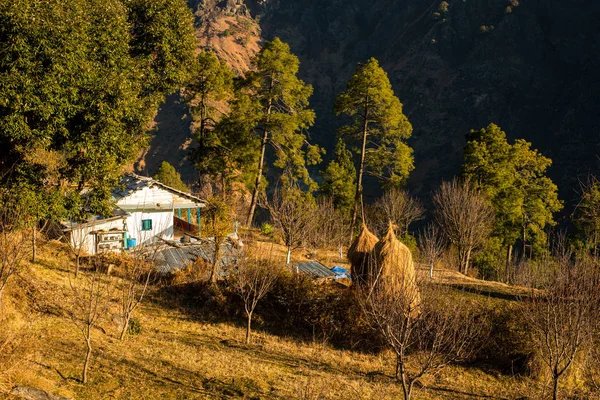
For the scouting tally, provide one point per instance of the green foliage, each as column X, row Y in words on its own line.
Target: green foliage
column 411, row 242
column 280, row 102
column 587, row 214
column 80, row 81
column 514, row 178
column 135, row 327
column 266, row 229
column 168, row 175
column 378, row 122
column 208, row 94
column 163, row 41
column 339, row 179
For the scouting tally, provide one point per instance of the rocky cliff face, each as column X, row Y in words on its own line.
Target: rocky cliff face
column 530, row 66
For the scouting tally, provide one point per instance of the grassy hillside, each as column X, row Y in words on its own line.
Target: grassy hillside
column 180, row 354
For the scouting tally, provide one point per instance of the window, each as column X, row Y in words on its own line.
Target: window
column 146, row 224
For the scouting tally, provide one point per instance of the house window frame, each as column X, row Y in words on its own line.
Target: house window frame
column 146, row 225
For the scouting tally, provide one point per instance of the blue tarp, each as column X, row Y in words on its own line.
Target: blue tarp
column 339, row 270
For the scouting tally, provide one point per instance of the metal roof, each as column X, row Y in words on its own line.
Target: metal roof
column 313, row 268
column 174, row 258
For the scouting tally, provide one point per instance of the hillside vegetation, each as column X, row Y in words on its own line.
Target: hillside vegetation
column 181, row 351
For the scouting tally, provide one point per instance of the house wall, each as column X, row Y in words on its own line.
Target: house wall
column 162, row 225
column 81, row 240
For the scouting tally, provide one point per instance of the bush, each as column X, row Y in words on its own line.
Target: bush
column 266, row 229
column 135, row 328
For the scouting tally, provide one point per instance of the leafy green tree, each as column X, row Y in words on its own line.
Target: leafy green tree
column 514, row 178
column 339, row 178
column 168, row 175
column 587, row 213
column 80, row 82
column 280, row 103
column 162, row 42
column 378, row 126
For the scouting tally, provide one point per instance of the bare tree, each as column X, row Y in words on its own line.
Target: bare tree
column 328, row 227
column 425, row 337
column 397, row 206
column 562, row 314
column 255, row 278
column 89, row 302
column 14, row 247
column 291, row 214
column 136, row 271
column 465, row 217
column 431, row 246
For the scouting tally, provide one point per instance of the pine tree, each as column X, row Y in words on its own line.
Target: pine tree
column 339, row 178
column 208, row 95
column 379, row 126
column 280, row 102
column 168, row 175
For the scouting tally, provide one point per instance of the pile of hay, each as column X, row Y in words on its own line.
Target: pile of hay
column 394, row 270
column 359, row 255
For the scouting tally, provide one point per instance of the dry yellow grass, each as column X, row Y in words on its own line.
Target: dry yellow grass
column 177, row 357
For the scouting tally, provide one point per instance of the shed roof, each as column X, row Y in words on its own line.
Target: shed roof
column 179, row 257
column 314, row 269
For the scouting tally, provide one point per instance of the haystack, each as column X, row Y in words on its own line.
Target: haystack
column 359, row 254
column 394, row 270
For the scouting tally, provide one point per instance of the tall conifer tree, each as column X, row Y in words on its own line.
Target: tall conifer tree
column 378, row 126
column 280, row 103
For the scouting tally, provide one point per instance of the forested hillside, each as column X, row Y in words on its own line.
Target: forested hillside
column 529, row 66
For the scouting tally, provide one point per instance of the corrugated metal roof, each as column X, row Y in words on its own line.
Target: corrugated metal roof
column 174, row 258
column 313, row 268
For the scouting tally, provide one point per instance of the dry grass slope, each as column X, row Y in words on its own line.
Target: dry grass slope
column 178, row 357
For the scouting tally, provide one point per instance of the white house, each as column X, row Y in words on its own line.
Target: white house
column 144, row 212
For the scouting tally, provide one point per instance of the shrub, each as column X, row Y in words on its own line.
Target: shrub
column 135, row 327
column 266, row 229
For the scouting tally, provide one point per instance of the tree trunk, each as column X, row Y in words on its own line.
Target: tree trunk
column 1, row 300
column 214, row 273
column 406, row 388
column 508, row 260
column 555, row 387
column 289, row 255
column 77, row 259
column 258, row 179
column 261, row 161
column 33, row 244
column 88, row 355
column 467, row 259
column 524, row 240
column 248, row 328
column 358, row 196
column 125, row 327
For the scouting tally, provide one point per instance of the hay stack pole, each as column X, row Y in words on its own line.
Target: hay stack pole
column 394, row 270
column 359, row 254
